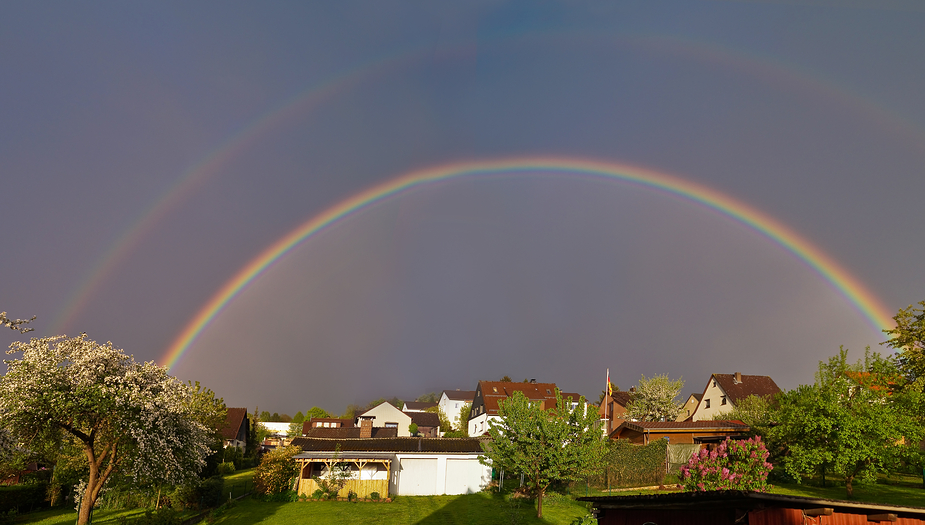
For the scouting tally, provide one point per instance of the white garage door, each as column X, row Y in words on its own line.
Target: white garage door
column 418, row 477
column 463, row 476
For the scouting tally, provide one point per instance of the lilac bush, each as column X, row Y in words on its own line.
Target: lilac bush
column 733, row 465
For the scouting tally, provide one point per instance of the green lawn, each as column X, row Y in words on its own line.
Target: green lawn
column 472, row 509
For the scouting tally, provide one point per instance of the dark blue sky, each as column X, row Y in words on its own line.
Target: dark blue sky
column 809, row 111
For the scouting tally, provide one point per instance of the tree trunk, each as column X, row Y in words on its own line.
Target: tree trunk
column 849, row 487
column 539, row 502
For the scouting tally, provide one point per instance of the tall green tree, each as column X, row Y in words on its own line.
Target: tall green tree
column 462, row 420
column 856, row 421
column 125, row 416
column 908, row 339
column 545, row 445
column 655, row 399
column 758, row 412
column 316, row 412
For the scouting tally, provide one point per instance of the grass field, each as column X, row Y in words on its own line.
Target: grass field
column 472, row 509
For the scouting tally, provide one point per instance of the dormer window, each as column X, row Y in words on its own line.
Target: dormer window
column 548, row 392
column 495, row 389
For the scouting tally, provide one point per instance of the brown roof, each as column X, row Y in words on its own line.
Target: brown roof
column 233, row 421
column 751, row 385
column 397, row 444
column 416, row 405
column 460, row 395
column 494, row 391
column 349, row 432
column 680, row 426
column 424, row 419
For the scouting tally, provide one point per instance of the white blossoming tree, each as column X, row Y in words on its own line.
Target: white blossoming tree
column 16, row 324
column 126, row 416
column 654, row 399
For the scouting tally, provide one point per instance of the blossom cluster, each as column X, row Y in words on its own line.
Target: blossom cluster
column 733, row 465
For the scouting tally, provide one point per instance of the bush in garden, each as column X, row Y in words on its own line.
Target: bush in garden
column 276, row 470
column 733, row 465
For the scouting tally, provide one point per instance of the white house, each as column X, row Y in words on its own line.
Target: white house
column 723, row 391
column 387, row 415
column 452, row 400
column 275, row 429
column 395, row 466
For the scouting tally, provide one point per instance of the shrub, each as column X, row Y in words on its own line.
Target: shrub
column 628, row 465
column 318, row 494
column 226, row 468
column 733, row 465
column 276, row 470
column 374, row 496
column 205, row 493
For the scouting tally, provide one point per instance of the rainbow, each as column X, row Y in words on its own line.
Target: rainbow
column 849, row 286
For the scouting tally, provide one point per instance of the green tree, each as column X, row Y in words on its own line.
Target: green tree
column 125, row 416
column 856, row 420
column 462, row 420
column 559, row 444
column 445, row 424
column 298, row 417
column 209, row 410
column 276, row 471
column 908, row 339
column 654, row 399
column 758, row 412
column 506, row 379
column 316, row 412
column 430, row 397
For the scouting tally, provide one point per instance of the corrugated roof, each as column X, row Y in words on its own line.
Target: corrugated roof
column 397, row 444
column 751, row 385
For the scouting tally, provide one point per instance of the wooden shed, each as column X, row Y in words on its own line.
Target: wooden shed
column 745, row 508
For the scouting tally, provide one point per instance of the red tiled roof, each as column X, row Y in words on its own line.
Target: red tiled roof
column 494, row 391
column 233, row 421
column 749, row 386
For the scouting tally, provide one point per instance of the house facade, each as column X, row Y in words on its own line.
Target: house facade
column 387, row 415
column 723, row 391
column 689, row 407
column 396, row 466
column 234, row 433
column 612, row 409
column 451, row 401
column 489, row 393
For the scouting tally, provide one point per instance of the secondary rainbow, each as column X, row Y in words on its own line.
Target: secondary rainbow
column 849, row 286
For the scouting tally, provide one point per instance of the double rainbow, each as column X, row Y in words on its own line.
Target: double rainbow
column 826, row 267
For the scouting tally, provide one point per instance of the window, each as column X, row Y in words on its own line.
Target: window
column 723, row 400
column 706, row 403
column 548, row 392
column 495, row 389
column 714, row 383
column 457, row 405
column 391, row 425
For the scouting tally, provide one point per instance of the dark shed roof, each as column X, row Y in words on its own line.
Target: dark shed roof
column 424, row 419
column 733, row 499
column 398, row 444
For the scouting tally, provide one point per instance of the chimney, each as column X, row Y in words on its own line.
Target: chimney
column 366, row 428
column 533, row 381
column 738, row 377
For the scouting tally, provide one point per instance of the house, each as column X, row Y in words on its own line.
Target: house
column 612, row 409
column 689, row 406
column 417, row 406
column 326, row 422
column 679, row 432
column 489, row 393
column 723, row 391
column 395, row 466
column 386, row 415
column 451, row 401
column 365, row 430
column 734, row 507
column 428, row 423
column 234, row 433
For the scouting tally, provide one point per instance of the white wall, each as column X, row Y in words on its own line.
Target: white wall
column 451, row 407
column 713, row 396
column 435, row 474
column 386, row 413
